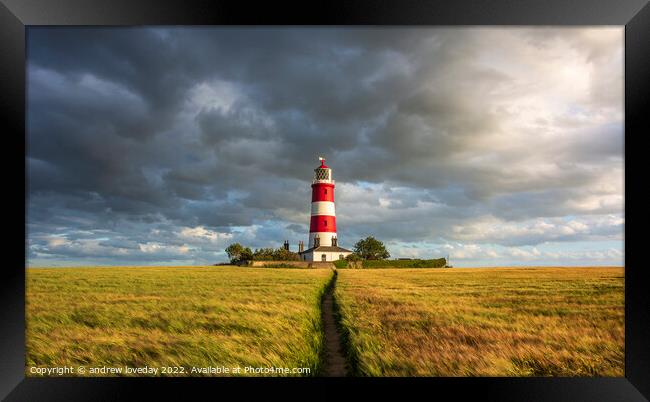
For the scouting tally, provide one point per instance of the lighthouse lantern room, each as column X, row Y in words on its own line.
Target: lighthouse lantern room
column 323, row 241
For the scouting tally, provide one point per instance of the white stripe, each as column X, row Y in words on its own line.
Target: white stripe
column 323, row 208
column 325, row 238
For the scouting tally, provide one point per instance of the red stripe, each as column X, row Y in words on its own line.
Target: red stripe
column 322, row 192
column 322, row 223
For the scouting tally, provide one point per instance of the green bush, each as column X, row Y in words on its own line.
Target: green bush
column 341, row 264
column 280, row 265
column 435, row 263
column 353, row 257
column 269, row 254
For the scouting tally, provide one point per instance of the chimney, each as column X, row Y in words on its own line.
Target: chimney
column 286, row 245
column 301, row 246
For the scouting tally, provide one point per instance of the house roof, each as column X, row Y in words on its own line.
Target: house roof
column 327, row 248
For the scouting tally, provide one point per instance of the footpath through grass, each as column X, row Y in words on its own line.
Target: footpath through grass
column 175, row 316
column 483, row 322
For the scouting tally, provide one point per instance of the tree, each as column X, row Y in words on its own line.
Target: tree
column 247, row 254
column 371, row 249
column 285, row 255
column 263, row 254
column 238, row 253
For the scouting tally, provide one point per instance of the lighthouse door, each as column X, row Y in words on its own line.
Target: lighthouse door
column 323, row 257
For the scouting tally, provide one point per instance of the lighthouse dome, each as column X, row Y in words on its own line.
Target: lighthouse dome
column 323, row 172
column 323, row 165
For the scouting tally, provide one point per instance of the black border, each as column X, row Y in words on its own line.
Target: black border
column 634, row 14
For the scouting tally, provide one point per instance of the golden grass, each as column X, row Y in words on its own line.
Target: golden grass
column 174, row 316
column 483, row 322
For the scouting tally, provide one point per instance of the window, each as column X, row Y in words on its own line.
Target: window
column 325, row 223
column 340, row 256
column 323, row 257
column 325, row 190
column 322, row 174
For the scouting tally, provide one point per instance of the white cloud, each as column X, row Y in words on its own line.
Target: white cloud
column 217, row 94
column 201, row 233
column 539, row 230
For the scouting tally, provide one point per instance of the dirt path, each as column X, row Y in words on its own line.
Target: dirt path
column 334, row 359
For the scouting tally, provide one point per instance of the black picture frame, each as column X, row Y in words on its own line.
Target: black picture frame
column 16, row 15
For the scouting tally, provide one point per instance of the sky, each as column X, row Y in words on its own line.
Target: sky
column 163, row 145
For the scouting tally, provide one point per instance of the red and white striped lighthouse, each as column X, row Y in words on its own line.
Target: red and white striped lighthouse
column 323, row 242
column 322, row 229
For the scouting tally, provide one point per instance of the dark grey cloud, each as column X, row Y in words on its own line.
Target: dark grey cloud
column 131, row 130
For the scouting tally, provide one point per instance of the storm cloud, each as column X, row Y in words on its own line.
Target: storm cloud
column 164, row 145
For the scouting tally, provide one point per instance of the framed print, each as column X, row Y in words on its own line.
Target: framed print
column 228, row 196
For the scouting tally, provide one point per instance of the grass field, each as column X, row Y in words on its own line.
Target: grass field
column 175, row 316
column 483, row 322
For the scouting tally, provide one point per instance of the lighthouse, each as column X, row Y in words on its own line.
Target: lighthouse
column 323, row 240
